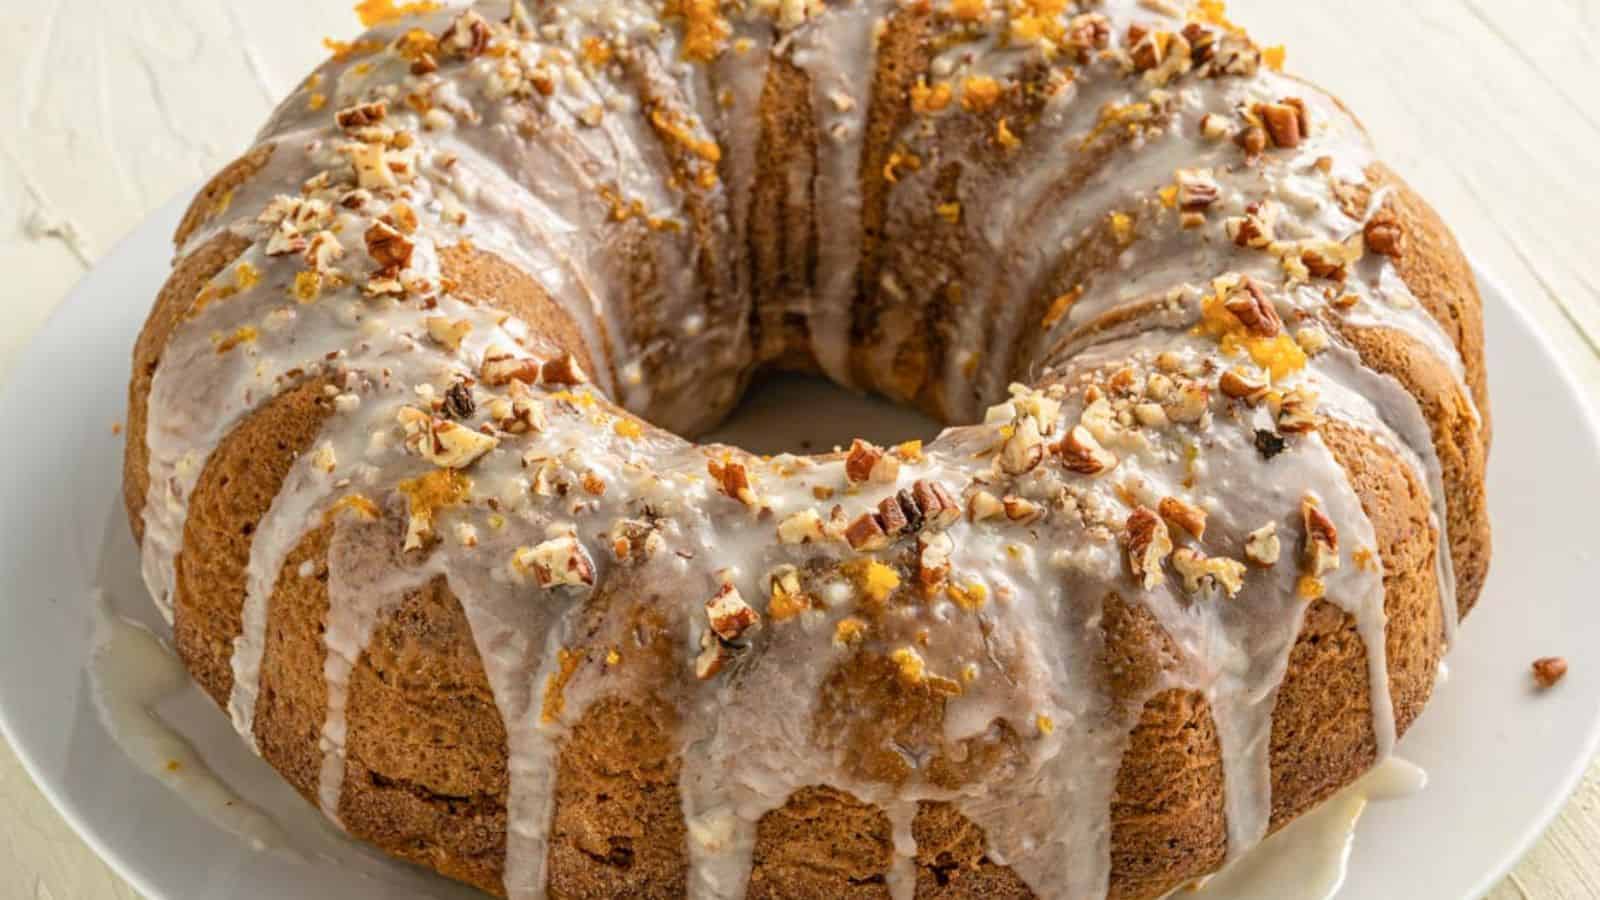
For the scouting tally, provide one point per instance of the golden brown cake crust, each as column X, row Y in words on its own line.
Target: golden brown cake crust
column 237, row 486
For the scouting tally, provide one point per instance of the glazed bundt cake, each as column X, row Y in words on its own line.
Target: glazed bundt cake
column 409, row 451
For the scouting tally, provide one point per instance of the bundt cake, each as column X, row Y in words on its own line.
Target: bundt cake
column 410, row 452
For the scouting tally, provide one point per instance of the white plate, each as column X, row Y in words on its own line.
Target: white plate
column 1501, row 758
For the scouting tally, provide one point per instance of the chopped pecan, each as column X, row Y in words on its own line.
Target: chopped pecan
column 1241, row 384
column 1200, row 571
column 1284, row 123
column 936, row 506
column 387, row 246
column 560, row 561
column 729, row 616
column 1088, row 32
column 984, row 505
column 447, row 333
column 785, row 596
column 733, row 480
column 1249, row 304
column 1191, row 518
column 1321, row 551
column 469, row 35
column 1148, row 544
column 1383, row 235
column 1147, row 48
column 1251, row 230
column 519, row 413
column 447, row 444
column 323, row 251
column 1297, row 411
column 866, row 533
column 802, row 527
column 1197, row 190
column 1252, row 139
column 1190, row 405
column 362, row 115
column 1262, row 546
column 933, row 559
column 714, row 656
column 892, row 517
column 1548, row 670
column 1024, row 449
column 866, row 462
column 1202, row 42
column 562, row 370
column 500, row 366
column 1321, row 265
column 286, row 240
column 1021, row 510
column 635, row 539
column 1081, row 453
column 1235, row 55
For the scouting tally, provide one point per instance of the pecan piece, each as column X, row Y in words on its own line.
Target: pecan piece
column 866, row 462
column 1284, row 122
column 984, row 505
column 500, row 367
column 1548, row 670
column 1249, row 304
column 469, row 35
column 388, row 247
column 1148, row 544
column 558, row 562
column 362, row 115
column 1024, row 449
column 802, row 527
column 1021, row 510
column 449, row 445
column 892, row 517
column 1240, row 384
column 866, row 534
column 1297, row 412
column 936, row 506
column 1320, row 554
column 933, row 559
column 1262, row 547
column 563, row 370
column 733, row 480
column 729, row 616
column 1197, row 190
column 447, row 333
column 1187, row 516
column 1200, row 571
column 1081, row 453
column 1384, row 236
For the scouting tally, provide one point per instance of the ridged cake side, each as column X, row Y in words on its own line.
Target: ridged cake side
column 389, row 460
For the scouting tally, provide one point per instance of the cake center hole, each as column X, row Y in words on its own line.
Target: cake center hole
column 804, row 414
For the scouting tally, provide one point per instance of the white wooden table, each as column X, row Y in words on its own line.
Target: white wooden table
column 107, row 108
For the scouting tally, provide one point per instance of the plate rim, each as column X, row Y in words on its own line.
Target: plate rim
column 135, row 875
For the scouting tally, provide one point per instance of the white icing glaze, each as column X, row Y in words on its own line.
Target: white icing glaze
column 575, row 185
column 1308, row 859
column 129, row 672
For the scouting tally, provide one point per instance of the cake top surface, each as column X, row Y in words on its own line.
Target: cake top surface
column 505, row 241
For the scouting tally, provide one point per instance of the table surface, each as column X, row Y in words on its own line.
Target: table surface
column 1490, row 112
